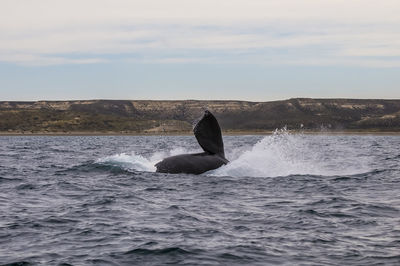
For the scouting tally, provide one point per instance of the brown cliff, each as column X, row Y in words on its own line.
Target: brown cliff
column 114, row 116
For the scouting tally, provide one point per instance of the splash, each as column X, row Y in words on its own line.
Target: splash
column 128, row 162
column 283, row 154
column 280, row 154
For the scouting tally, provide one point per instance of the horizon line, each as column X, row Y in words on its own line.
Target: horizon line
column 204, row 100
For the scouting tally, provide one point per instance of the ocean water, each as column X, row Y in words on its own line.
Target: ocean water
column 282, row 200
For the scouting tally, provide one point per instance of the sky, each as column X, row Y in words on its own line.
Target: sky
column 257, row 50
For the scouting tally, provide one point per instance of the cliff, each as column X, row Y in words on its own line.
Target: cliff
column 114, row 116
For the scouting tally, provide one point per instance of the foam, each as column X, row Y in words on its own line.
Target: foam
column 283, row 154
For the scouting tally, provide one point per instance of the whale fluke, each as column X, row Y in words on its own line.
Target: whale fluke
column 209, row 137
column 208, row 134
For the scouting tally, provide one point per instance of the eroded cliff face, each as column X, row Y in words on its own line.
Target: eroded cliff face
column 178, row 116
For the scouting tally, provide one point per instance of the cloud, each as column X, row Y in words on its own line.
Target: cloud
column 56, row 13
column 34, row 60
column 191, row 31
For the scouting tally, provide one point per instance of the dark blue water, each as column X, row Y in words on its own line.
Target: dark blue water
column 283, row 200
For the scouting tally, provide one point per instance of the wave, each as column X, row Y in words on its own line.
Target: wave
column 279, row 154
column 128, row 162
column 162, row 251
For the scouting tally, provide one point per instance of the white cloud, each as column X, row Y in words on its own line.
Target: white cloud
column 54, row 31
column 34, row 60
column 55, row 13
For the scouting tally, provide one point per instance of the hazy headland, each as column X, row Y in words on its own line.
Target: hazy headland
column 177, row 117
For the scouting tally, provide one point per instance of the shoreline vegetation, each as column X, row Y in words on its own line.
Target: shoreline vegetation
column 143, row 117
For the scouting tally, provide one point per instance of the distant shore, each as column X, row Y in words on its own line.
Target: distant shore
column 131, row 117
column 189, row 133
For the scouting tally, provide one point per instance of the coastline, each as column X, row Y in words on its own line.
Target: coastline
column 189, row 133
column 130, row 117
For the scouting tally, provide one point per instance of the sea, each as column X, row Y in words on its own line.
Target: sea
column 284, row 199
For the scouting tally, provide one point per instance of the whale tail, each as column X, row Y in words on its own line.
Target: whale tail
column 208, row 134
column 209, row 137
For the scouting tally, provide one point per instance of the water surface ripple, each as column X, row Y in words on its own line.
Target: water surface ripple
column 283, row 200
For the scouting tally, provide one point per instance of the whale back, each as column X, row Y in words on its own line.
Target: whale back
column 197, row 163
column 208, row 134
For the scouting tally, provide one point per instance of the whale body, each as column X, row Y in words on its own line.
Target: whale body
column 209, row 137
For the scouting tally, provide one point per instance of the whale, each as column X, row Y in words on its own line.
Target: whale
column 208, row 134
